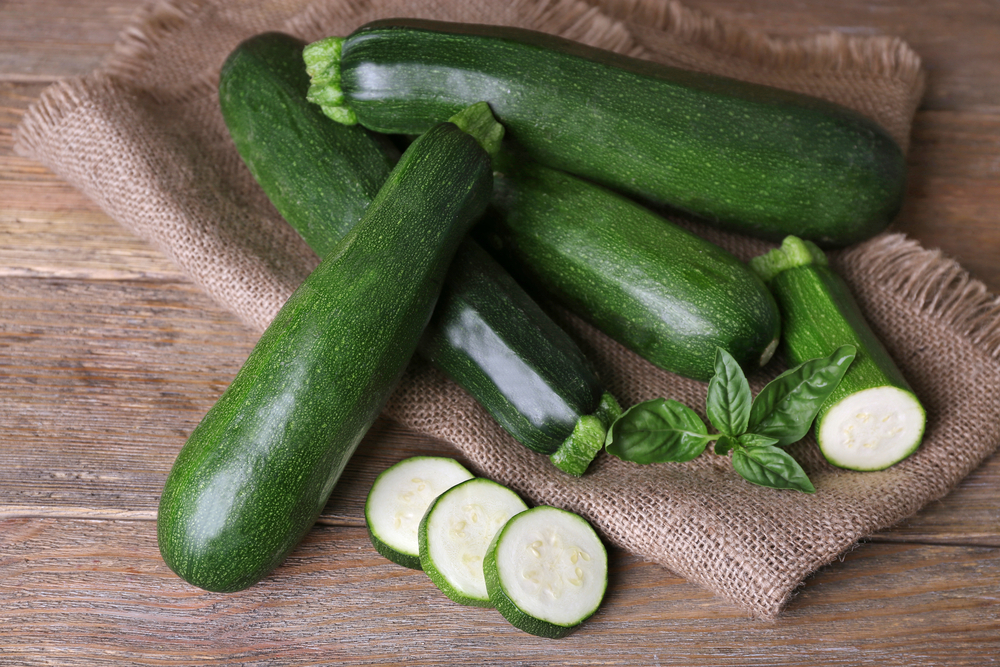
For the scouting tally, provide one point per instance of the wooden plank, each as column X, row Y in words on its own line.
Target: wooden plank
column 96, row 592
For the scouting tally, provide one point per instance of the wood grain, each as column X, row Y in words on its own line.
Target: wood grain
column 109, row 356
column 913, row 605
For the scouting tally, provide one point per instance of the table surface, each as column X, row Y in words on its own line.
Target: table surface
column 109, row 356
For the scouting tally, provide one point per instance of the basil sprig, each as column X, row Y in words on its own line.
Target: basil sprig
column 751, row 430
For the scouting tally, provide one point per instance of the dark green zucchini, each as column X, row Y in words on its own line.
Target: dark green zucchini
column 262, row 89
column 258, row 469
column 501, row 347
column 748, row 157
column 668, row 295
column 546, row 395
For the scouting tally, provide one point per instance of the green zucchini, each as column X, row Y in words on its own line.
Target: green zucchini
column 546, row 571
column 665, row 293
column 513, row 359
column 872, row 420
column 282, row 140
column 747, row 157
column 498, row 344
column 256, row 472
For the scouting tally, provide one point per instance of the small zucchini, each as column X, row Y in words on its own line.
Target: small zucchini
column 487, row 334
column 668, row 295
column 497, row 343
column 873, row 419
column 748, row 157
column 258, row 469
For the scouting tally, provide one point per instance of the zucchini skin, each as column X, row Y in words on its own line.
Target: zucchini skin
column 496, row 342
column 256, row 472
column 513, row 359
column 262, row 96
column 667, row 294
column 746, row 157
column 820, row 313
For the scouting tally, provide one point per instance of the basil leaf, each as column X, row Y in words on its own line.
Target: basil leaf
column 658, row 431
column 772, row 467
column 786, row 407
column 756, row 440
column 728, row 404
column 725, row 444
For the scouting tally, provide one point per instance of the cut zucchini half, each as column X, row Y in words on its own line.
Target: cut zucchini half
column 398, row 499
column 873, row 419
column 872, row 429
column 455, row 533
column 546, row 571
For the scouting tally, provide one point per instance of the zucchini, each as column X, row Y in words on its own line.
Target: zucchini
column 668, row 295
column 546, row 571
column 513, row 359
column 751, row 158
column 455, row 532
column 398, row 499
column 282, row 140
column 257, row 470
column 498, row 344
column 872, row 420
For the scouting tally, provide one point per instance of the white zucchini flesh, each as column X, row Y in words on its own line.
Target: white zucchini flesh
column 872, row 429
column 547, row 571
column 398, row 499
column 456, row 531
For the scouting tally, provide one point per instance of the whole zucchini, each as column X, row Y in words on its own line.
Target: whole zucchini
column 487, row 334
column 256, row 472
column 668, row 295
column 748, row 157
column 282, row 140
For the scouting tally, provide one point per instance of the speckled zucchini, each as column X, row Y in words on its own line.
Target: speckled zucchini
column 873, row 419
column 487, row 333
column 748, row 157
column 668, row 295
column 256, row 472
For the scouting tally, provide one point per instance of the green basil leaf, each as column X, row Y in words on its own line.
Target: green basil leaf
column 728, row 404
column 786, row 407
column 756, row 440
column 772, row 467
column 725, row 444
column 658, row 431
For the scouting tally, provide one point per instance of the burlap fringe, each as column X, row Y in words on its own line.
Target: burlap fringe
column 47, row 113
column 938, row 285
column 836, row 52
column 152, row 26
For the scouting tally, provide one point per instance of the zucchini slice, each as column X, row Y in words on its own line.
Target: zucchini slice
column 546, row 571
column 398, row 499
column 455, row 533
column 873, row 419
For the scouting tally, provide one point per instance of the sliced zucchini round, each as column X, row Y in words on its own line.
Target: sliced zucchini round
column 455, row 532
column 398, row 499
column 872, row 429
column 546, row 571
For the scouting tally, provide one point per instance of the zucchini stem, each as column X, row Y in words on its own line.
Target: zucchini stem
column 579, row 449
column 322, row 61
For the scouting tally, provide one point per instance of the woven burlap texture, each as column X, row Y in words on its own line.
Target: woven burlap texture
column 143, row 137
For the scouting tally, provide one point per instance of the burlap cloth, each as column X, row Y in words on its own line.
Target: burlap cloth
column 144, row 138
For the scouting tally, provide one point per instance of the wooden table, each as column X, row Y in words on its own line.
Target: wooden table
column 109, row 356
